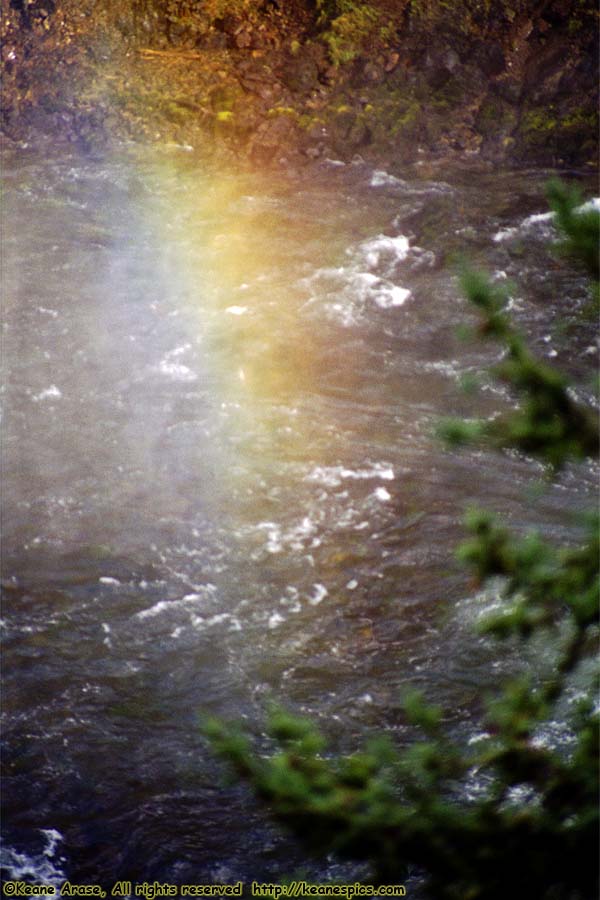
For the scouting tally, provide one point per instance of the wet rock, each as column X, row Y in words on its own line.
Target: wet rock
column 228, row 24
column 490, row 59
column 360, row 135
column 214, row 40
column 315, row 151
column 392, row 61
column 546, row 63
column 451, row 60
column 373, row 73
column 508, row 87
column 329, row 75
column 314, row 142
column 530, row 84
column 299, row 73
column 556, row 133
column 257, row 77
column 243, row 39
column 223, row 97
column 271, row 139
column 182, row 35
column 496, row 118
column 438, row 76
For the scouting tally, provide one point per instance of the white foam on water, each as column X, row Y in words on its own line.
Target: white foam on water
column 176, row 371
column 345, row 313
column 162, row 606
column 554, row 734
column 274, row 540
column 40, row 868
column 531, row 222
column 382, row 494
column 391, row 297
column 173, row 368
column 380, row 178
column 199, row 623
column 319, row 594
column 528, row 224
column 383, row 244
column 237, row 310
column 326, row 277
column 295, row 538
column 451, row 368
column 48, row 392
column 217, row 619
column 53, row 837
column 475, row 609
column 366, row 280
column 275, row 620
column 292, row 606
column 369, row 288
column 477, row 738
column 538, row 217
column 291, row 601
column 155, row 610
column 521, row 795
column 333, row 476
column 346, row 292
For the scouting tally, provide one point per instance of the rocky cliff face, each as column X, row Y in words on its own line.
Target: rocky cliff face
column 501, row 81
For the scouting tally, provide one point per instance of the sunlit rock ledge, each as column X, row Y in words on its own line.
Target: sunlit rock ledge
column 395, row 80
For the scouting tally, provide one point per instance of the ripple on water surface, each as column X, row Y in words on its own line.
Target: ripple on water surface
column 222, row 486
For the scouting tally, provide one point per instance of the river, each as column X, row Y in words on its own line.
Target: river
column 222, row 485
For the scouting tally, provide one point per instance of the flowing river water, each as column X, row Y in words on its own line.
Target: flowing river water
column 222, row 485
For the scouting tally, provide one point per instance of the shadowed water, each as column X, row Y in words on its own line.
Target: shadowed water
column 221, row 484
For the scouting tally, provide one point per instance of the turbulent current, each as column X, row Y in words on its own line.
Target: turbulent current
column 222, row 484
